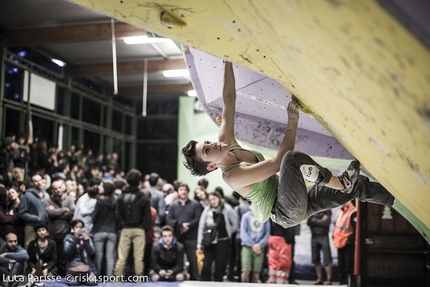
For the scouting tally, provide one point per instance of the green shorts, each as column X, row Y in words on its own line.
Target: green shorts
column 251, row 261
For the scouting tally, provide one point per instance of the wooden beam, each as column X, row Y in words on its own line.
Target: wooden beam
column 137, row 91
column 124, row 68
column 69, row 34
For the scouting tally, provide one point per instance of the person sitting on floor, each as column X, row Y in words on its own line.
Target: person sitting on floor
column 12, row 256
column 42, row 253
column 167, row 258
column 79, row 248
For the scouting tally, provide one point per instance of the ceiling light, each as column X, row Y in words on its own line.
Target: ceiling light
column 192, row 93
column 144, row 40
column 176, row 73
column 58, row 62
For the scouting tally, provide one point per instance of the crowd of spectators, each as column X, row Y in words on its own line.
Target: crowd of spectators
column 59, row 209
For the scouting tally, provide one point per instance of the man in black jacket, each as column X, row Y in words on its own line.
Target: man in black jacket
column 134, row 217
column 167, row 258
column 42, row 253
column 184, row 216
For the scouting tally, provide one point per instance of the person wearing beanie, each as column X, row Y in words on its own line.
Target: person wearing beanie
column 42, row 253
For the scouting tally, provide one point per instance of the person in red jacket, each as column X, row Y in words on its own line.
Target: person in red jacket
column 344, row 241
column 279, row 254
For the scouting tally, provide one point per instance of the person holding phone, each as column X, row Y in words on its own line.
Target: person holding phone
column 79, row 248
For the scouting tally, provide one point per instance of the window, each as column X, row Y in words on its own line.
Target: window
column 157, row 129
column 90, row 111
column 12, row 125
column 43, row 129
column 61, row 93
column 92, row 141
column 128, row 121
column 117, row 121
column 13, row 83
column 163, row 159
column 74, row 106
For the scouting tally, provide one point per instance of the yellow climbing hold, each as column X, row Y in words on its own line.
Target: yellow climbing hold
column 303, row 108
column 170, row 21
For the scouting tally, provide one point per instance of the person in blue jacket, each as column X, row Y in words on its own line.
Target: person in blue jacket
column 12, row 256
column 254, row 235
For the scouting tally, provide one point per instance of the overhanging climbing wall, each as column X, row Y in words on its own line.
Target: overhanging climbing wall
column 365, row 77
column 261, row 107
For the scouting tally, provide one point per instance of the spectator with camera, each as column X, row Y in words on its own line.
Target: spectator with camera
column 79, row 248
